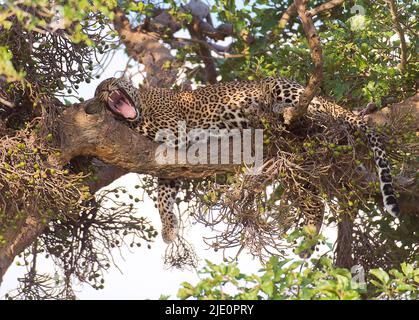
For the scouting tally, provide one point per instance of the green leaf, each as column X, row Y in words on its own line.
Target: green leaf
column 381, row 275
column 67, row 102
column 6, row 66
column 405, row 287
column 268, row 287
column 407, row 269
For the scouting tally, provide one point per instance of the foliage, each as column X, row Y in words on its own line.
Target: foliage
column 47, row 50
column 34, row 34
column 81, row 245
column 317, row 279
column 360, row 65
column 50, row 49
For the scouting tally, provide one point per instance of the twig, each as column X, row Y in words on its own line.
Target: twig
column 292, row 11
column 6, row 103
column 325, row 7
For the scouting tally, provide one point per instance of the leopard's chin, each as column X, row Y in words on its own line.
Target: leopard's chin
column 121, row 105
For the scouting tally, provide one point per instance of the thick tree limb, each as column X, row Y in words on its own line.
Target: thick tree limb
column 203, row 51
column 102, row 136
column 199, row 29
column 400, row 32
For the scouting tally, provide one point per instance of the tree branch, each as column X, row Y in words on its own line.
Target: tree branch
column 291, row 114
column 325, row 7
column 292, row 11
column 203, row 51
column 400, row 32
column 287, row 15
column 145, row 48
column 161, row 67
column 28, row 228
column 201, row 13
column 18, row 239
column 199, row 29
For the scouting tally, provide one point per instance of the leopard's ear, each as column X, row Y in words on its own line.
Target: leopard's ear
column 93, row 106
column 141, row 86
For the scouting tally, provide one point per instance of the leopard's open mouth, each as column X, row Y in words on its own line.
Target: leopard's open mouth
column 122, row 105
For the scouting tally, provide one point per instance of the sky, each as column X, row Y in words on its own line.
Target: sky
column 141, row 273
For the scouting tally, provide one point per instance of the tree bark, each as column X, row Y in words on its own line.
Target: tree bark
column 291, row 114
column 292, row 11
column 18, row 240
column 344, row 257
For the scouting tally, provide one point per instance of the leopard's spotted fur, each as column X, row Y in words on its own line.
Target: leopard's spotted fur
column 227, row 106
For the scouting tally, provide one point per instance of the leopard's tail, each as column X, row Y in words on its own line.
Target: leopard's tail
column 380, row 157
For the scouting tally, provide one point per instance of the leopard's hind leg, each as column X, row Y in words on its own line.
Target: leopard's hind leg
column 313, row 213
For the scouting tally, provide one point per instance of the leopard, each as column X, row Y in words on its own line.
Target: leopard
column 229, row 105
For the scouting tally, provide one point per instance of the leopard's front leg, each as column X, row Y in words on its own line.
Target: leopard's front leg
column 166, row 196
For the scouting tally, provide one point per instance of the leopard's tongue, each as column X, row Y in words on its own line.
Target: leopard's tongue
column 126, row 110
column 121, row 105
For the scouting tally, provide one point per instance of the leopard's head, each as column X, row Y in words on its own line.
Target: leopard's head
column 121, row 97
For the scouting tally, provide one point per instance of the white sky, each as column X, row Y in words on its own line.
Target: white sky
column 143, row 274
